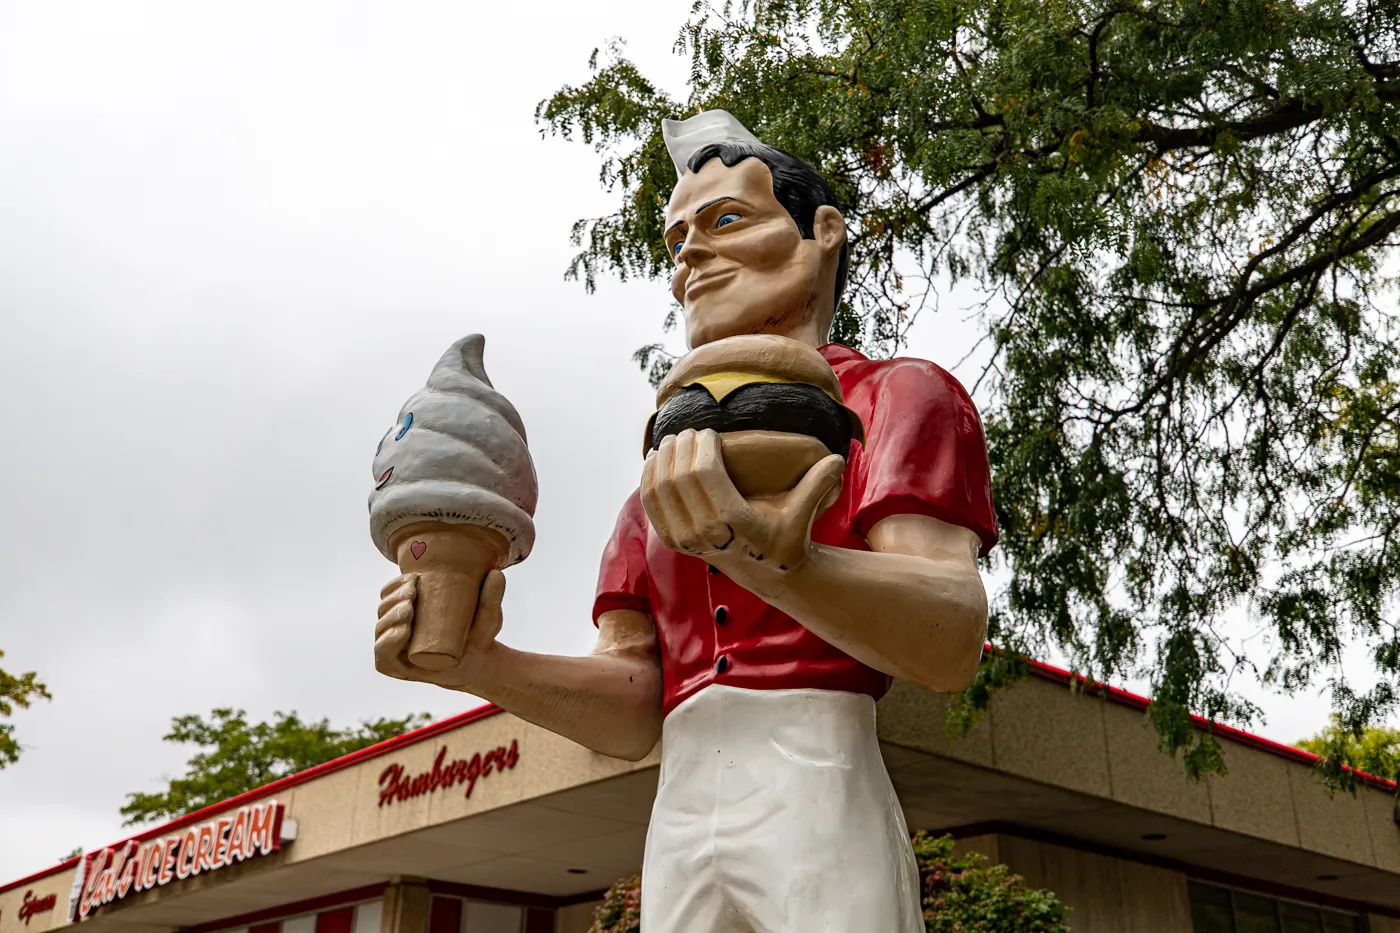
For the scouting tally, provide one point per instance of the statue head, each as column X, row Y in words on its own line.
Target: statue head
column 758, row 244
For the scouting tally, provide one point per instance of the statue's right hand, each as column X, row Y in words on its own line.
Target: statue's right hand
column 395, row 628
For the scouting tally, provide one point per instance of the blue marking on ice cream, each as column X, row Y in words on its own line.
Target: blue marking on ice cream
column 407, row 423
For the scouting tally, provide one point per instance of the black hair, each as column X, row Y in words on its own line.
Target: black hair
column 798, row 187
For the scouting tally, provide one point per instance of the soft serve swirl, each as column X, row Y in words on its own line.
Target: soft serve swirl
column 456, row 454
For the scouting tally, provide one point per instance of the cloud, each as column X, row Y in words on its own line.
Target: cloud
column 236, row 239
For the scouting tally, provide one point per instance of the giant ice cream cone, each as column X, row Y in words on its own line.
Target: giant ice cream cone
column 454, row 498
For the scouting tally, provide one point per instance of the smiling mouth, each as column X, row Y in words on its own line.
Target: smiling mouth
column 705, row 282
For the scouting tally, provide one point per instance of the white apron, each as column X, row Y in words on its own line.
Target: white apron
column 775, row 814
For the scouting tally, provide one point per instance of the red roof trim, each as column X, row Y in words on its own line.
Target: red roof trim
column 291, row 780
column 1125, row 698
column 42, row 873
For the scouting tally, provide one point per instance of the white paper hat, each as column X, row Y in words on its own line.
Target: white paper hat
column 684, row 138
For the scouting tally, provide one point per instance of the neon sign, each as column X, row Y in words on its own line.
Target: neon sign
column 111, row 874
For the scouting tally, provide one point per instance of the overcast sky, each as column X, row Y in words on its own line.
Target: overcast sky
column 233, row 240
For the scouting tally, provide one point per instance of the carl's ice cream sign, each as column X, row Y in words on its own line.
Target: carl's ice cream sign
column 111, row 874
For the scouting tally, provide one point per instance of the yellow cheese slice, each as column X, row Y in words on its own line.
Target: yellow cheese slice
column 720, row 385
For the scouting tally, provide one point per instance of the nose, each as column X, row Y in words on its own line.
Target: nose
column 694, row 249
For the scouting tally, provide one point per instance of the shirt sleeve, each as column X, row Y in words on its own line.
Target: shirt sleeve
column 924, row 453
column 622, row 578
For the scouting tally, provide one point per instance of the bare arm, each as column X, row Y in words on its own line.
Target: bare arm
column 913, row 605
column 609, row 700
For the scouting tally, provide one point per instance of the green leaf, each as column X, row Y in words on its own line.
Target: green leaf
column 236, row 756
column 16, row 691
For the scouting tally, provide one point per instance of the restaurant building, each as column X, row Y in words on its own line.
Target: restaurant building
column 483, row 823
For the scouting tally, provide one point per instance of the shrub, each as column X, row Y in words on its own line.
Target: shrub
column 960, row 895
column 964, row 895
column 621, row 910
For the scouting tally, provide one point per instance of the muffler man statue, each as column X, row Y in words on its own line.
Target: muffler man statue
column 806, row 528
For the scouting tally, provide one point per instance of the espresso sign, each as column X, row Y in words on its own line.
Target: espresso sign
column 111, row 874
column 396, row 784
column 36, row 905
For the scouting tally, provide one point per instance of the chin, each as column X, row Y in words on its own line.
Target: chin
column 708, row 321
column 717, row 315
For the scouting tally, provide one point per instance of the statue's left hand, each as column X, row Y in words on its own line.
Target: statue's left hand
column 695, row 509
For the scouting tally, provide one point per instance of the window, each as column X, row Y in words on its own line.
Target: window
column 340, row 920
column 1224, row 910
column 306, row 923
column 493, row 918
column 456, row 915
column 356, row 918
column 368, row 917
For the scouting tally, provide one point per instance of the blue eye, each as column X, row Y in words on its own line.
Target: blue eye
column 726, row 220
column 407, row 423
column 676, row 250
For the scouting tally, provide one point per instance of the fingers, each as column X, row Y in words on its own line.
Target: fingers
column 711, row 475
column 391, row 636
column 396, row 583
column 678, row 488
column 651, row 497
column 395, row 626
column 681, row 482
column 486, row 625
column 702, row 483
column 400, row 614
column 816, row 490
column 660, row 498
column 685, row 491
column 694, row 507
column 399, row 590
column 724, row 508
column 811, row 492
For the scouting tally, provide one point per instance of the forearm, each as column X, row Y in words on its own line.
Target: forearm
column 917, row 618
column 608, row 703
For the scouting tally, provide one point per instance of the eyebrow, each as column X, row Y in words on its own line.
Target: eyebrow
column 701, row 208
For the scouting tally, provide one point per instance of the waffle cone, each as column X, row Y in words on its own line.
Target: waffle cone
column 451, row 561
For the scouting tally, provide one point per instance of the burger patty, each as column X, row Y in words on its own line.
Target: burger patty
column 759, row 406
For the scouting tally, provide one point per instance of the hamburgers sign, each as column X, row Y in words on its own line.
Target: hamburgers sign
column 113, row 873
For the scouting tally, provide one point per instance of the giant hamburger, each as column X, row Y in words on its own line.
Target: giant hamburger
column 775, row 403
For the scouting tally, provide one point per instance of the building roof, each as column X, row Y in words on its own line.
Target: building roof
column 1039, row 670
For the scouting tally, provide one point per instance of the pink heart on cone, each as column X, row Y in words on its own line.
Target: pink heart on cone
column 417, row 548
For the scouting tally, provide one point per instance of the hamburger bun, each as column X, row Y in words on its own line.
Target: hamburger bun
column 775, row 402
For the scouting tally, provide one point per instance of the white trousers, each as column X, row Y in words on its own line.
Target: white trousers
column 775, row 814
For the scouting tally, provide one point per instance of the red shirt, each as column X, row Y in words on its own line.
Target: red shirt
column 924, row 454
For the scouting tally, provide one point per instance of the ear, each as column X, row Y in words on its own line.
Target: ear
column 829, row 229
